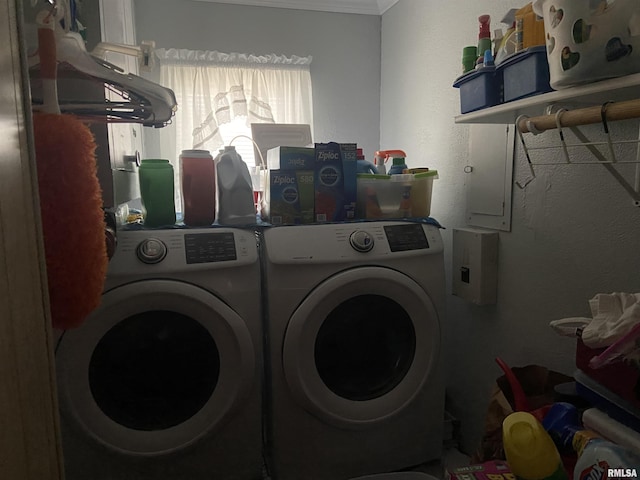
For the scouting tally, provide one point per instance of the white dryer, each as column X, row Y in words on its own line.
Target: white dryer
column 164, row 378
column 355, row 371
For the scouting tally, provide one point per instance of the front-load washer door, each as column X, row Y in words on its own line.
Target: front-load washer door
column 361, row 346
column 155, row 367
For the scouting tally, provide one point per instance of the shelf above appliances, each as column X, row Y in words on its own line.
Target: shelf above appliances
column 597, row 93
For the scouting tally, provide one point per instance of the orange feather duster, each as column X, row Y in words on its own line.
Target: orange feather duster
column 72, row 217
column 70, row 201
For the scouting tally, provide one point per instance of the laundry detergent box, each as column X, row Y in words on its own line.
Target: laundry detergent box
column 335, row 182
column 291, row 158
column 289, row 197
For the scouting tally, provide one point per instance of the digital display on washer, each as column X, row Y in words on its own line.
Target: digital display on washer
column 406, row 237
column 209, row 247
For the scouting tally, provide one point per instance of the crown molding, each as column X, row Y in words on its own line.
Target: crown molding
column 363, row 7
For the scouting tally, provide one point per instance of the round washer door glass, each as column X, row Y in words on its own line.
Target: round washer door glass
column 157, row 365
column 154, row 370
column 361, row 346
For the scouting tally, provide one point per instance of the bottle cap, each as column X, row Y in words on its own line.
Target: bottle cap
column 398, row 161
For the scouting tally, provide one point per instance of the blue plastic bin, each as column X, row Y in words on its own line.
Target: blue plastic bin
column 479, row 89
column 525, row 73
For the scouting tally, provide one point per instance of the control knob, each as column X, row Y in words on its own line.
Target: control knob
column 151, row 250
column 361, row 241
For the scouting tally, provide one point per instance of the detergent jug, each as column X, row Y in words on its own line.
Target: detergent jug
column 382, row 156
column 362, row 165
column 235, row 190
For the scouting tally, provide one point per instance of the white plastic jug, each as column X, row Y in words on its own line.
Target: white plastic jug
column 235, row 191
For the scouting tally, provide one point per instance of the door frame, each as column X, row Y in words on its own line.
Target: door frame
column 30, row 446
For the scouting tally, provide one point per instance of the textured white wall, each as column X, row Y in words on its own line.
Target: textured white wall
column 345, row 71
column 575, row 232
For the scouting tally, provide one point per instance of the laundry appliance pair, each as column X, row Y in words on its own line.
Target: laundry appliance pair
column 302, row 352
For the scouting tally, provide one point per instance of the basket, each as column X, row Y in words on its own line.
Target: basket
column 590, row 40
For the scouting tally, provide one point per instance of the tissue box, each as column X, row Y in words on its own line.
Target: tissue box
column 290, row 158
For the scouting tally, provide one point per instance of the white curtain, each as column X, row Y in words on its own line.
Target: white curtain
column 214, row 89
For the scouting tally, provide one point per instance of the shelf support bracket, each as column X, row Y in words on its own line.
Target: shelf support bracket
column 606, row 164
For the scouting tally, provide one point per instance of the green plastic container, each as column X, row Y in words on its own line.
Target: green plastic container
column 157, row 193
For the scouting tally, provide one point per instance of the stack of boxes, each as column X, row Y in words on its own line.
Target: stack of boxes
column 311, row 185
column 320, row 184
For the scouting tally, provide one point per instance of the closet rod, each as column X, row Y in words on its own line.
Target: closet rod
column 610, row 111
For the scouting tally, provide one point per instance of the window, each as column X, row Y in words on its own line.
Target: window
column 219, row 95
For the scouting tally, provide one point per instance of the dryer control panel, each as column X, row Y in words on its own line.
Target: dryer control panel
column 330, row 243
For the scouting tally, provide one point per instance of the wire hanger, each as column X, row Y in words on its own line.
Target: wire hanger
column 143, row 101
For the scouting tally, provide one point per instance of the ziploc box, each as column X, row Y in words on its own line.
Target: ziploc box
column 291, row 158
column 290, row 197
column 335, row 182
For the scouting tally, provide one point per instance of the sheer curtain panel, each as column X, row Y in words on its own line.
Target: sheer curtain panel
column 221, row 94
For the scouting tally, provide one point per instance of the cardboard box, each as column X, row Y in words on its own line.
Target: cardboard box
column 335, row 183
column 291, row 158
column 491, row 470
column 289, row 197
column 350, row 170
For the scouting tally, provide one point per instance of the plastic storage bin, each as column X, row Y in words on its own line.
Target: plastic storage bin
column 589, row 41
column 479, row 89
column 395, row 196
column 525, row 73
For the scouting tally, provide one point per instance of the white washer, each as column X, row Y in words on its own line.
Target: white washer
column 356, row 380
column 164, row 378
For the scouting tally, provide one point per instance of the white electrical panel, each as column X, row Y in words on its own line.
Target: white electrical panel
column 475, row 265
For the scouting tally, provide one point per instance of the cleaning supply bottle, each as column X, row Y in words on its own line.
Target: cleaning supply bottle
column 382, row 156
column 398, row 166
column 362, row 165
column 235, row 190
column 596, row 456
column 529, row 449
column 484, row 35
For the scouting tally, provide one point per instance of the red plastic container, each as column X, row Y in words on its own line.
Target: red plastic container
column 621, row 378
column 198, row 181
